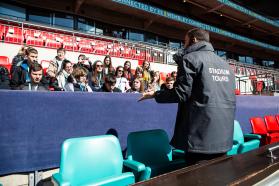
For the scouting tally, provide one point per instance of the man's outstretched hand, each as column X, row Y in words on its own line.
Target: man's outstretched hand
column 147, row 95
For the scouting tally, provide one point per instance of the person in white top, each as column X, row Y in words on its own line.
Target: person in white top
column 121, row 82
column 55, row 65
column 67, row 70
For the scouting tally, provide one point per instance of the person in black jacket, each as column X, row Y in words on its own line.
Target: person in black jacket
column 36, row 75
column 4, row 78
column 20, row 74
column 204, row 91
column 109, row 85
column 84, row 62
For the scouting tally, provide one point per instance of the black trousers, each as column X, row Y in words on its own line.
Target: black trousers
column 195, row 158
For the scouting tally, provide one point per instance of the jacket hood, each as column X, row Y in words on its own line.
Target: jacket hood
column 200, row 46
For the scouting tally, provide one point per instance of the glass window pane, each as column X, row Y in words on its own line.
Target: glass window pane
column 241, row 59
column 136, row 36
column 249, row 60
column 63, row 20
column 86, row 25
column 268, row 63
column 163, row 41
column 175, row 44
column 101, row 29
column 40, row 16
column 222, row 54
column 11, row 11
column 150, row 38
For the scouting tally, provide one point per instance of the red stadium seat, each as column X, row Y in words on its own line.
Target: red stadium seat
column 237, row 92
column 148, row 55
column 271, row 124
column 277, row 118
column 2, row 32
column 84, row 45
column 127, row 52
column 259, row 127
column 45, row 64
column 33, row 37
column 52, row 40
column 163, row 76
column 4, row 61
column 69, row 43
column 100, row 47
column 13, row 34
column 114, row 49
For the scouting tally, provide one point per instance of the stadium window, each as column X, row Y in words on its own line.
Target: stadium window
column 241, row 59
column 40, row 16
column 150, row 38
column 11, row 11
column 222, row 54
column 102, row 29
column 174, row 44
column 118, row 32
column 86, row 25
column 162, row 41
column 249, row 60
column 135, row 35
column 63, row 20
column 268, row 63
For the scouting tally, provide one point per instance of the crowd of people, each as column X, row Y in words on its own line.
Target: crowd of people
column 86, row 76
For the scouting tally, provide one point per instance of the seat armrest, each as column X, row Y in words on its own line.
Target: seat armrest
column 135, row 165
column 57, row 180
column 235, row 142
column 178, row 152
column 252, row 136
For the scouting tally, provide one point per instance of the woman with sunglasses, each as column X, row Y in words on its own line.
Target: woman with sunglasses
column 121, row 82
column 128, row 72
column 108, row 68
column 97, row 77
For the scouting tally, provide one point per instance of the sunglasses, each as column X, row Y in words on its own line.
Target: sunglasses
column 99, row 65
column 120, row 70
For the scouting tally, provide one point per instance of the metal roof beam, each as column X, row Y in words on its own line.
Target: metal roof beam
column 215, row 8
column 249, row 22
column 77, row 5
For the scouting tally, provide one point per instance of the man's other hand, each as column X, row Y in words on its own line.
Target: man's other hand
column 147, row 95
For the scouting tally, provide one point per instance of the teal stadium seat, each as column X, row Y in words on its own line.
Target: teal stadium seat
column 243, row 143
column 94, row 160
column 152, row 148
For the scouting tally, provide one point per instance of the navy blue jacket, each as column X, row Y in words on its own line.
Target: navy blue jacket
column 204, row 91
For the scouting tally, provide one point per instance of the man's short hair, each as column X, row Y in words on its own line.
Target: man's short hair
column 31, row 50
column 82, row 55
column 199, row 34
column 61, row 49
column 168, row 79
column 35, row 67
column 111, row 80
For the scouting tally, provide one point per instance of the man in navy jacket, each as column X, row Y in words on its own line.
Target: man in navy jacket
column 204, row 91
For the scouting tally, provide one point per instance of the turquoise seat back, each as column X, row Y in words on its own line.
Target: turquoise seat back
column 90, row 158
column 238, row 134
column 243, row 143
column 149, row 147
